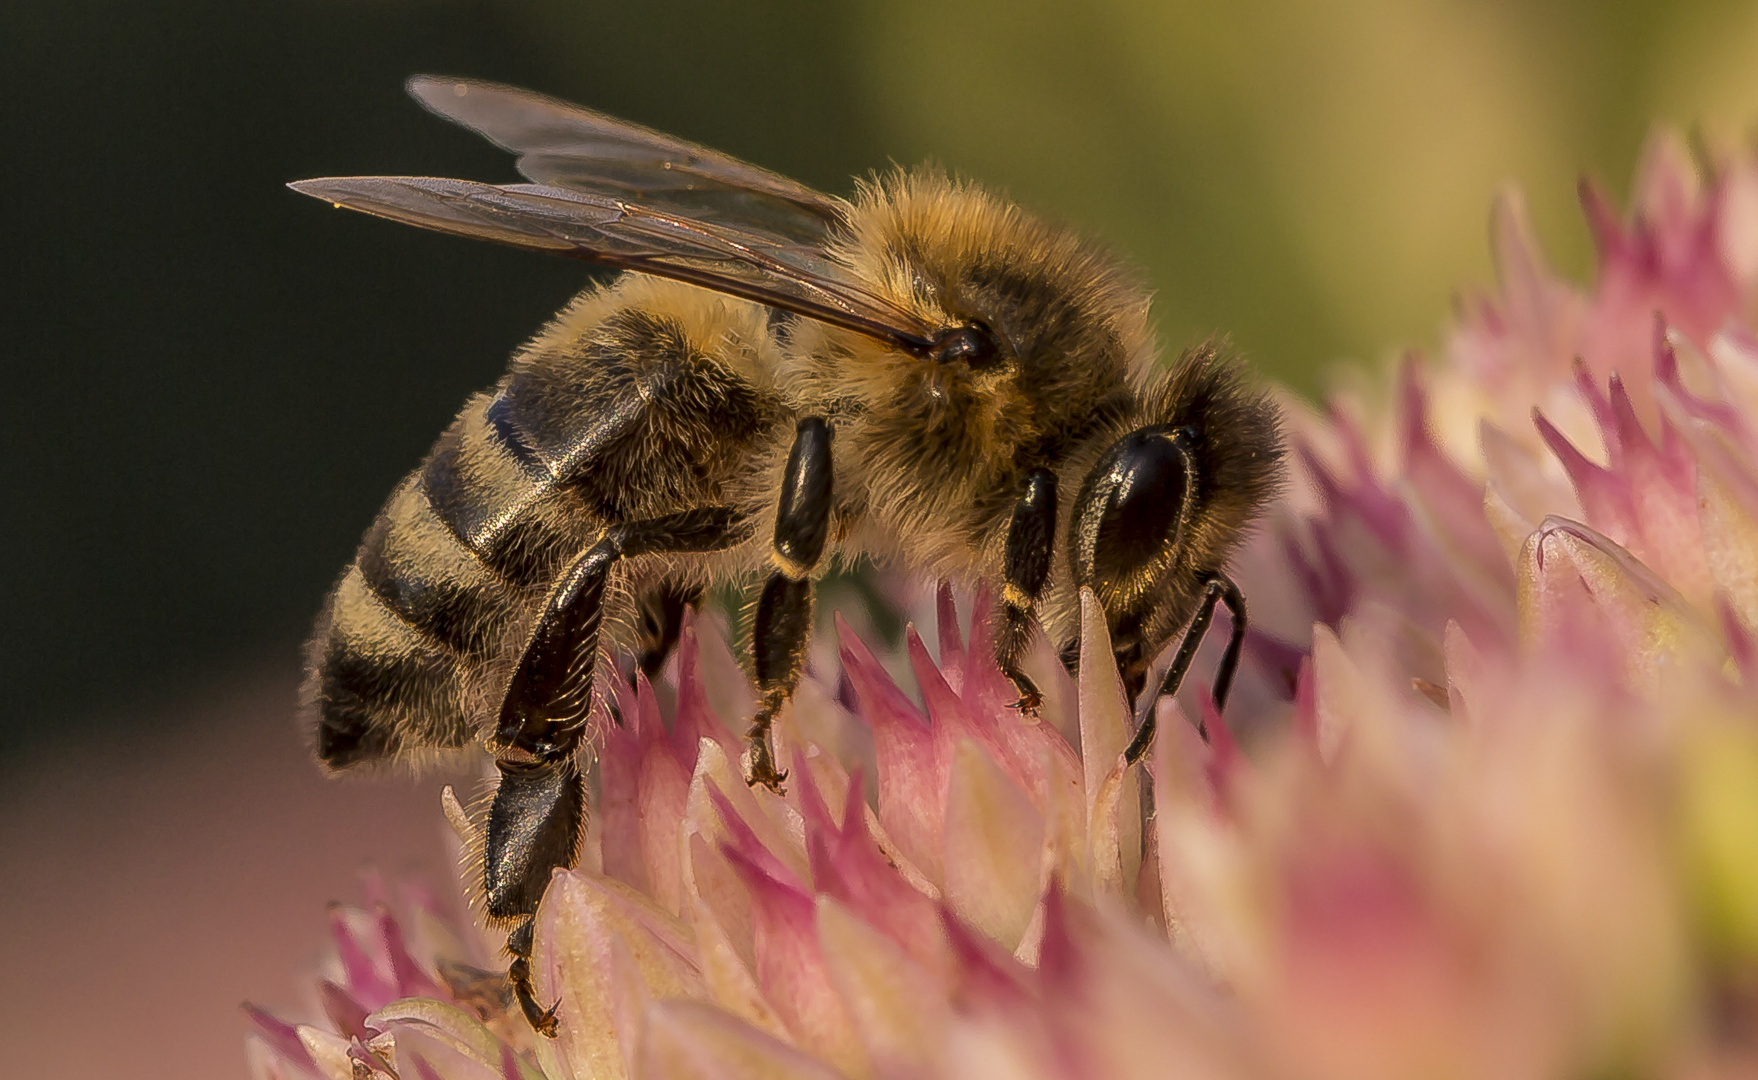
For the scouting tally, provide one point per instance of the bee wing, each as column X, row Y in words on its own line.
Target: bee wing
column 748, row 263
column 563, row 145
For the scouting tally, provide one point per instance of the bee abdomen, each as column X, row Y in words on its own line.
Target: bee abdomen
column 500, row 503
column 417, row 567
column 413, row 615
column 379, row 683
column 636, row 403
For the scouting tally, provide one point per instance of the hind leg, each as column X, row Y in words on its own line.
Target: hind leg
column 539, row 809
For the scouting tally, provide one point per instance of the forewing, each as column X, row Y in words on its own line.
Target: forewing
column 727, row 258
column 564, row 145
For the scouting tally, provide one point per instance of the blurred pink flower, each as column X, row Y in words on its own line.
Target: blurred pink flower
column 1485, row 803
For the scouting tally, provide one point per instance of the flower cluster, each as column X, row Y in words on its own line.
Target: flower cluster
column 1485, row 802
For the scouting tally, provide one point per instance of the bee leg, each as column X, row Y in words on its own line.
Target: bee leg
column 784, row 610
column 1218, row 589
column 1031, row 539
column 661, row 623
column 1129, row 647
column 539, row 808
column 534, row 827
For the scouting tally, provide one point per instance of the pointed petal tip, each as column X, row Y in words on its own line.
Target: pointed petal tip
column 282, row 1037
column 1602, row 217
column 952, row 646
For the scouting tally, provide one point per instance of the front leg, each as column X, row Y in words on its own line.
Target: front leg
column 784, row 611
column 539, row 809
column 1031, row 540
column 1218, row 589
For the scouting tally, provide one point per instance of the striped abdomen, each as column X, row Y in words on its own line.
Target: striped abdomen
column 643, row 399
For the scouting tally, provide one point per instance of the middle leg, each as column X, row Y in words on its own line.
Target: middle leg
column 1031, row 539
column 784, row 610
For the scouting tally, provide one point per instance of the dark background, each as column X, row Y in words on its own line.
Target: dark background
column 212, row 382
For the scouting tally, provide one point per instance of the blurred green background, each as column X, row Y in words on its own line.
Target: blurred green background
column 213, row 382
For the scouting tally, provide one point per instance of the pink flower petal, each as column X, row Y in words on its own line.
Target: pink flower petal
column 1033, row 752
column 263, row 1063
column 582, row 924
column 1533, row 328
column 1190, row 838
column 848, row 866
column 664, row 788
column 725, row 946
column 790, row 968
column 421, row 1053
column 815, row 810
column 989, row 978
column 364, row 979
column 1329, row 586
column 994, row 847
column 1060, row 965
column 1667, row 376
column 439, row 1022
column 1226, row 761
column 952, row 655
column 328, row 1051
column 1583, row 595
column 900, row 1009
column 743, row 839
column 950, row 718
column 1454, row 501
column 1279, row 660
column 1741, row 645
column 1606, row 501
column 772, row 822
column 348, row 1015
column 411, row 980
column 1306, row 717
column 628, row 999
column 1602, row 221
column 1113, row 826
column 988, row 692
column 514, row 1069
column 1728, row 517
column 696, row 718
column 690, row 1041
column 281, row 1037
column 912, row 778
column 619, row 796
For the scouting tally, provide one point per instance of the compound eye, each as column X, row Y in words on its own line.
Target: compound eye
column 1142, row 514
column 1129, row 511
column 973, row 343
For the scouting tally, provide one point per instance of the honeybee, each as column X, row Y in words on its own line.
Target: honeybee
column 924, row 375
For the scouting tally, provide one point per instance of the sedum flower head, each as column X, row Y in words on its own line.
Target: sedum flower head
column 1485, row 803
